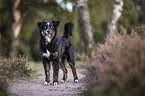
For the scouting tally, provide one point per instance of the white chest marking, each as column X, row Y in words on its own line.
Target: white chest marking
column 47, row 54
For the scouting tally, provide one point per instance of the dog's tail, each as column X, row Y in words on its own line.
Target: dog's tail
column 68, row 29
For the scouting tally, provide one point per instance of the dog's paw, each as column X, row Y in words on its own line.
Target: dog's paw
column 54, row 55
column 46, row 83
column 76, row 81
column 63, row 81
column 55, row 83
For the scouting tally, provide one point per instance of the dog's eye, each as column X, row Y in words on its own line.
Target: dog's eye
column 46, row 26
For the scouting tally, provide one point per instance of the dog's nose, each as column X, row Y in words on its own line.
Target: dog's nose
column 48, row 31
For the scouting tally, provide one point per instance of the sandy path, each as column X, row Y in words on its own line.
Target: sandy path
column 35, row 87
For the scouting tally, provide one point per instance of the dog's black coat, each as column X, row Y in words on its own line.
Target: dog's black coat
column 56, row 49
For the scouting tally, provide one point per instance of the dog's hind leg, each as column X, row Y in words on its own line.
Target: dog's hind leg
column 72, row 65
column 63, row 68
column 46, row 65
column 71, row 61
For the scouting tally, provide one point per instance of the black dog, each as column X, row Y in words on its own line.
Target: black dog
column 56, row 49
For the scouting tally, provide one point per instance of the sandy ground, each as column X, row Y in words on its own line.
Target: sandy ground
column 34, row 86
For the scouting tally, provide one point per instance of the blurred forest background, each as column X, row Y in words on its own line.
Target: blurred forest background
column 33, row 11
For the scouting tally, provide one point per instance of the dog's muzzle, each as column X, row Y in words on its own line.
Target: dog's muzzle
column 48, row 36
column 47, row 39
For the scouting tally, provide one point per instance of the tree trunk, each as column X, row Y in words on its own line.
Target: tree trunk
column 16, row 26
column 116, row 13
column 142, row 11
column 86, row 35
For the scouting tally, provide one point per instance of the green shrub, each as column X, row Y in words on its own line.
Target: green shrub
column 118, row 68
column 10, row 69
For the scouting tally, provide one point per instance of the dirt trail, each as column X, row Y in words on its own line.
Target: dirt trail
column 35, row 87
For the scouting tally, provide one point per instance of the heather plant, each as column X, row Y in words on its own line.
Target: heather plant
column 10, row 69
column 118, row 68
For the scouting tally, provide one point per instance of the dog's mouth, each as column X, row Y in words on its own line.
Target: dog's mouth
column 48, row 37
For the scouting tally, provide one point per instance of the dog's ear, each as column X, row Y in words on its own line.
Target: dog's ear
column 40, row 24
column 56, row 23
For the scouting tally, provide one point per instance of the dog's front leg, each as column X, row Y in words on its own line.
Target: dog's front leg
column 55, row 72
column 46, row 65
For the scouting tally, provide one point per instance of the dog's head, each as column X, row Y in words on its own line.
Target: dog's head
column 48, row 30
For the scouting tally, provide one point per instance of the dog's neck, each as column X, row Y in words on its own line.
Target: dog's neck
column 53, row 45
